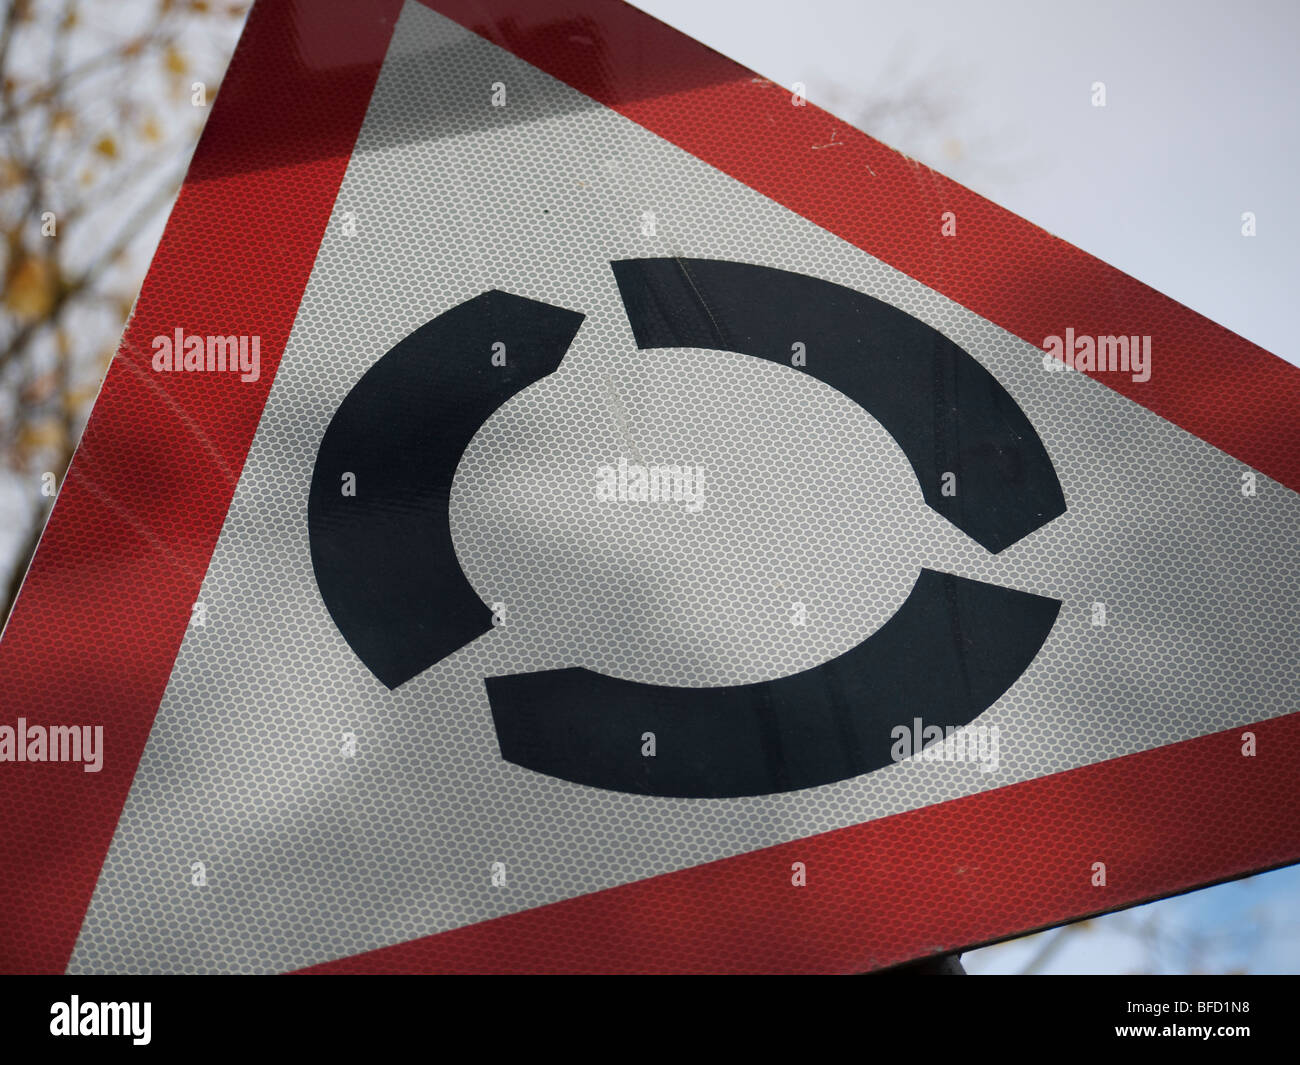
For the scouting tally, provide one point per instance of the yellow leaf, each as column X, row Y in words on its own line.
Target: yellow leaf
column 47, row 433
column 174, row 60
column 106, row 146
column 29, row 293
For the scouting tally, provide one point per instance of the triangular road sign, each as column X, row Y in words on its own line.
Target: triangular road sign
column 549, row 513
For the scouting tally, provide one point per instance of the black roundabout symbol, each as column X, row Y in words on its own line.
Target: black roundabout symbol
column 388, row 574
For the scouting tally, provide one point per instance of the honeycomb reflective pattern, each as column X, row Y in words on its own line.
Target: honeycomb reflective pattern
column 932, row 880
column 105, row 603
column 312, row 855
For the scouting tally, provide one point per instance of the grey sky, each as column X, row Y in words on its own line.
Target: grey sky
column 1200, row 123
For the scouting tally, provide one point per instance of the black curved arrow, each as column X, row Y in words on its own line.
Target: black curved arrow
column 952, row 649
column 384, row 559
column 946, row 411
